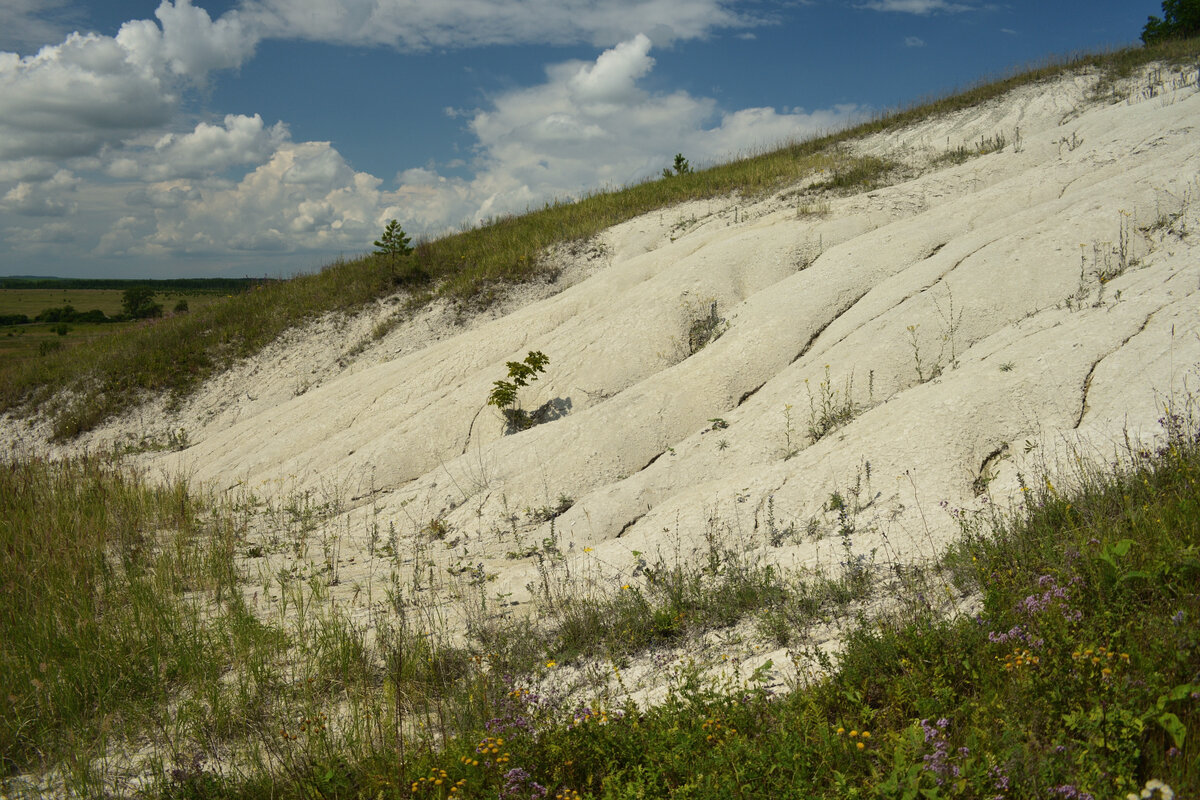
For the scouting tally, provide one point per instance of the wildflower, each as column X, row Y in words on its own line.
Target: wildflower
column 860, row 745
column 551, row 664
column 1153, row 788
column 587, row 549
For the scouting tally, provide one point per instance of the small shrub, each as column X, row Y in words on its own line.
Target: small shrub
column 705, row 329
column 138, row 303
column 504, row 392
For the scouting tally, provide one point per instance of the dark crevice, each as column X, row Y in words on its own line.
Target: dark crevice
column 1087, row 385
column 903, row 300
column 651, row 461
column 985, row 476
column 1087, row 381
column 470, row 429
column 936, row 250
column 812, row 339
column 629, row 525
column 750, row 393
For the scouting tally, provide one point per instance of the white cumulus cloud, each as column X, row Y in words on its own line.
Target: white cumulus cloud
column 592, row 125
column 208, row 149
column 305, row 197
column 48, row 198
column 91, row 129
column 75, row 98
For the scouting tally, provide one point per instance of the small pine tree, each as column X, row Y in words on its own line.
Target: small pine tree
column 393, row 244
column 682, row 167
column 1180, row 20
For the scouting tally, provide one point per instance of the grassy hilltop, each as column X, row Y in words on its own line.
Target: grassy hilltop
column 1052, row 652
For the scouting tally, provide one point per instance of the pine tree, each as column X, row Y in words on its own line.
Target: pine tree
column 393, row 244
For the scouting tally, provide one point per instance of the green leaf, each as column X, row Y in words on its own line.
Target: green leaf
column 1171, row 724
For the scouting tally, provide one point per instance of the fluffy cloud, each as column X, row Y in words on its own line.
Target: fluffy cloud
column 591, row 124
column 588, row 124
column 91, row 92
column 304, row 198
column 469, row 23
column 206, row 150
column 49, row 198
column 188, row 43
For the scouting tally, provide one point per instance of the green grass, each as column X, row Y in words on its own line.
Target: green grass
column 107, row 375
column 122, row 616
column 92, row 617
column 36, row 340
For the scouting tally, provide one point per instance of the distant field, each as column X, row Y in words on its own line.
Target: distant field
column 33, row 301
column 33, row 340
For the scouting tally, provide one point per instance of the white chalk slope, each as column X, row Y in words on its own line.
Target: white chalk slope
column 982, row 319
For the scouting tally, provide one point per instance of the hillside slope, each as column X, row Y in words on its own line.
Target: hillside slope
column 943, row 336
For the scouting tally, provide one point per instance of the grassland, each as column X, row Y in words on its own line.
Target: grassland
column 33, row 340
column 123, row 620
column 107, row 374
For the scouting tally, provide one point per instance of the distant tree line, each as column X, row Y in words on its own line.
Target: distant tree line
column 167, row 285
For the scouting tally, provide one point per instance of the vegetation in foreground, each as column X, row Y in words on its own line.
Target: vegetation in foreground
column 123, row 617
column 79, row 388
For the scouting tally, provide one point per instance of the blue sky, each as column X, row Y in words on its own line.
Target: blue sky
column 191, row 138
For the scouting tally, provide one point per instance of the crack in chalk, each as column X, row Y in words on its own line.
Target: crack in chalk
column 470, row 429
column 1087, row 381
column 629, row 525
column 903, row 300
column 650, row 462
column 985, row 476
column 812, row 339
column 747, row 395
column 369, row 493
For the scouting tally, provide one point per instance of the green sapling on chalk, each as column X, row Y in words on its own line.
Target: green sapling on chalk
column 504, row 392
